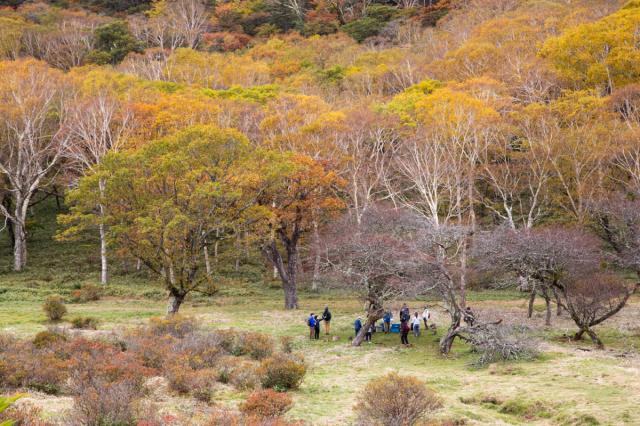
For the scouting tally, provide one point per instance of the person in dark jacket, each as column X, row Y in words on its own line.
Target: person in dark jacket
column 326, row 317
column 404, row 332
column 469, row 316
column 405, row 314
column 369, row 332
column 316, row 328
column 311, row 322
column 357, row 325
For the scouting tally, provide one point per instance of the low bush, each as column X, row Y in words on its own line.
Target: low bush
column 54, row 307
column 152, row 350
column 257, row 345
column 267, row 403
column 203, row 384
column 84, row 323
column 86, row 293
column 46, row 338
column 25, row 366
column 105, row 403
column 527, row 408
column 24, row 414
column 396, row 400
column 175, row 325
column 282, row 371
column 201, row 349
column 244, row 376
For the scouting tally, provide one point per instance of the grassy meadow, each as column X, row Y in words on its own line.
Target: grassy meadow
column 570, row 384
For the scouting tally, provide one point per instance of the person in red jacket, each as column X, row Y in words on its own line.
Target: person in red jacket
column 404, row 332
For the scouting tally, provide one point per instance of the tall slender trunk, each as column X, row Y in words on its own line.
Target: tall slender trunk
column 316, row 264
column 290, row 284
column 103, row 237
column 207, row 261
column 103, row 255
column 215, row 246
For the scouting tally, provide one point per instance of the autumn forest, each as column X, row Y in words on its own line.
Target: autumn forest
column 270, row 154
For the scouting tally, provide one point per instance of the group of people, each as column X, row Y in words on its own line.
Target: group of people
column 314, row 323
column 410, row 323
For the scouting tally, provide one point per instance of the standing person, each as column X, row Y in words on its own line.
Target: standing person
column 369, row 332
column 357, row 325
column 405, row 314
column 415, row 324
column 425, row 317
column 316, row 328
column 386, row 321
column 311, row 322
column 404, row 332
column 326, row 317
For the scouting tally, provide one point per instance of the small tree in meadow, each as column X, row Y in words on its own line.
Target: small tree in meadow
column 54, row 308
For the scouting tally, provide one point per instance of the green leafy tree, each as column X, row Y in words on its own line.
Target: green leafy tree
column 163, row 202
column 113, row 41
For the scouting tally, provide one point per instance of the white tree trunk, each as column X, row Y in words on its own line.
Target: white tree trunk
column 316, row 265
column 207, row 262
column 103, row 255
column 20, row 247
column 103, row 237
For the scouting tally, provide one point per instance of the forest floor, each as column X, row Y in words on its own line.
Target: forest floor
column 569, row 384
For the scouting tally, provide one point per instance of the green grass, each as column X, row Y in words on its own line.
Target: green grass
column 563, row 386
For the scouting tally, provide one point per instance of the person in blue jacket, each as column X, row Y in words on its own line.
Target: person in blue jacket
column 311, row 322
column 357, row 325
column 386, row 321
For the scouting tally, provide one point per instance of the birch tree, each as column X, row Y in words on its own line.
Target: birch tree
column 32, row 140
column 96, row 125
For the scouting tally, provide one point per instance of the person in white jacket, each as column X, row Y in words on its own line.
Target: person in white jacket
column 426, row 315
column 415, row 324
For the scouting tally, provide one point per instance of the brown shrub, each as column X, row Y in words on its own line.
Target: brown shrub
column 230, row 418
column 86, row 293
column 47, row 338
column 202, row 349
column 257, row 345
column 22, row 365
column 105, row 403
column 84, row 323
column 153, row 351
column 203, row 384
column 24, row 414
column 267, row 404
column 395, row 400
column 54, row 307
column 282, row 371
column 175, row 325
column 244, row 375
